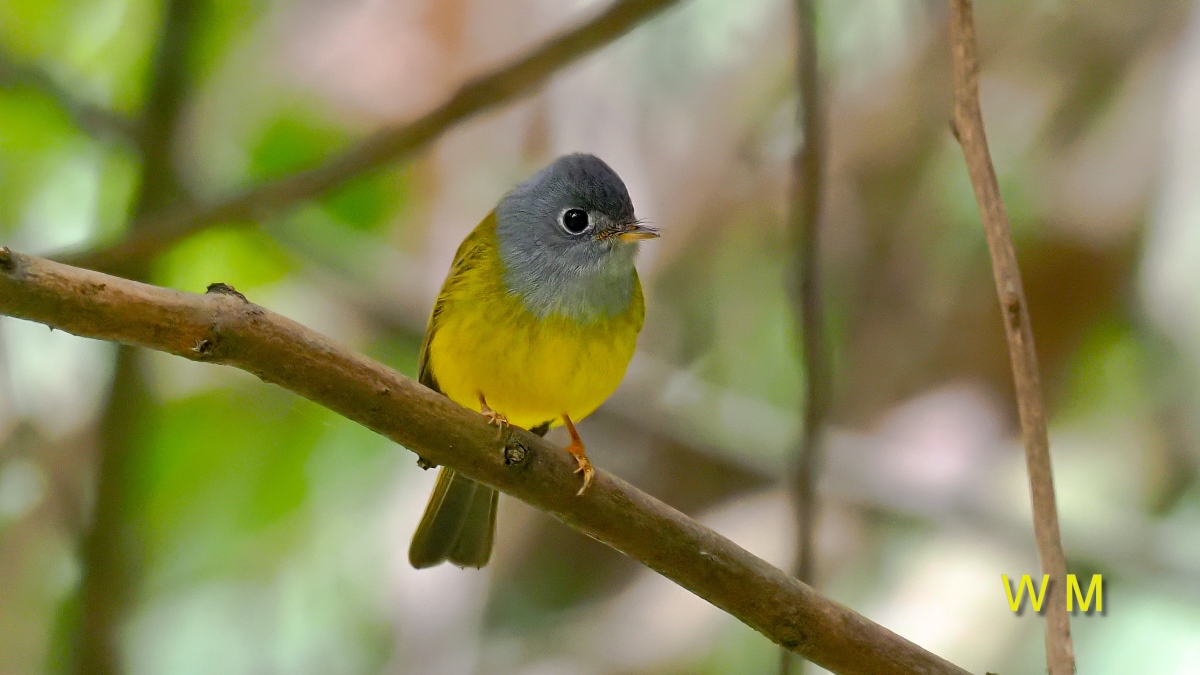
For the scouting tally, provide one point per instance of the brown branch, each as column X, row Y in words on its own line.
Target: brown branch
column 851, row 471
column 968, row 127
column 168, row 86
column 93, row 119
column 808, row 178
column 222, row 327
column 390, row 144
column 110, row 558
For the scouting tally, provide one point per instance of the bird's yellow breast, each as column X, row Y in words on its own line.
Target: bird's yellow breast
column 484, row 342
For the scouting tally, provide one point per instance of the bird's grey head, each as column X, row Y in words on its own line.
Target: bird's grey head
column 568, row 238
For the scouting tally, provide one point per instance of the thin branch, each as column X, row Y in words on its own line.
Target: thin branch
column 808, row 179
column 223, row 327
column 169, row 84
column 969, row 130
column 110, row 558
column 93, row 119
column 387, row 145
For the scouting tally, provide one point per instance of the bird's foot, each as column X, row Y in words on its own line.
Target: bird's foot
column 585, row 465
column 494, row 418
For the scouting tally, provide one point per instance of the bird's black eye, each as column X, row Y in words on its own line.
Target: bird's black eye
column 574, row 221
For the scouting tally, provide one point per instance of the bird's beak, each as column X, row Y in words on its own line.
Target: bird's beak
column 636, row 232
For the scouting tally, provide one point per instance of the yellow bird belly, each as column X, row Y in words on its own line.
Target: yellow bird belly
column 531, row 369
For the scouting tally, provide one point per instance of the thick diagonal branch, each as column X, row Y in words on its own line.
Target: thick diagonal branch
column 968, row 127
column 222, row 327
column 505, row 84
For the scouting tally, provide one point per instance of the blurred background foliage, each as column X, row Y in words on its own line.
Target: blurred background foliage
column 249, row 531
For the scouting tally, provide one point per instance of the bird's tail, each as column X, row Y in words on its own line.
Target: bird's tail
column 459, row 524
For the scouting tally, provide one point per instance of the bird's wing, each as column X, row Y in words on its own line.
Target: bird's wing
column 470, row 254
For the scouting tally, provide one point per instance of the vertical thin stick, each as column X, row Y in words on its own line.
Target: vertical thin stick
column 808, row 177
column 109, row 564
column 968, row 128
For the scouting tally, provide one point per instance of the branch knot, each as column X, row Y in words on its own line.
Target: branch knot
column 224, row 289
column 515, row 452
column 203, row 347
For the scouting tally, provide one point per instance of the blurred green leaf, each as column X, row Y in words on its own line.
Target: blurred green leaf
column 119, row 173
column 35, row 137
column 365, row 203
column 222, row 483
column 1107, row 376
column 113, row 44
column 99, row 47
column 220, row 24
column 398, row 351
column 34, row 26
column 295, row 141
column 239, row 256
column 754, row 346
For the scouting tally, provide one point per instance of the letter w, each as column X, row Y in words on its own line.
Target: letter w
column 1014, row 603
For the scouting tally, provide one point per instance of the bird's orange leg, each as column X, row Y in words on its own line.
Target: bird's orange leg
column 494, row 418
column 577, row 451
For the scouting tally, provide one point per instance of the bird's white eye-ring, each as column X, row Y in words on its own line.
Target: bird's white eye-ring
column 574, row 221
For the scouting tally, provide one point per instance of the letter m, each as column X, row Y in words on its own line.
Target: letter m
column 1073, row 592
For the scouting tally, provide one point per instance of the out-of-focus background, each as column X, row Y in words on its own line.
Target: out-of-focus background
column 159, row 517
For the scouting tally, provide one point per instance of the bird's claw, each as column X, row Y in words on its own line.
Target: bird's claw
column 495, row 419
column 580, row 454
column 585, row 467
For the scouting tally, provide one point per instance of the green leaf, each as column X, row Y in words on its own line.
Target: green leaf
column 36, row 136
column 222, row 481
column 239, row 256
column 220, row 24
column 296, row 142
column 293, row 143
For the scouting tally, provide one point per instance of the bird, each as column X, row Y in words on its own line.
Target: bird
column 534, row 327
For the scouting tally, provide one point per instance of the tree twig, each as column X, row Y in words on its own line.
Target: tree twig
column 969, row 130
column 223, row 327
column 93, row 119
column 110, row 558
column 169, row 84
column 807, row 182
column 387, row 145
